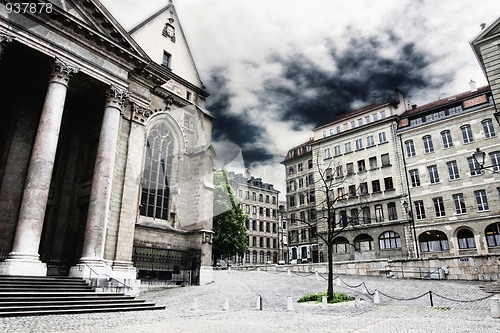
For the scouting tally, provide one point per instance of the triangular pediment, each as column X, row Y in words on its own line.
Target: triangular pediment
column 92, row 20
column 72, row 9
column 494, row 31
column 160, row 36
column 488, row 32
column 487, row 35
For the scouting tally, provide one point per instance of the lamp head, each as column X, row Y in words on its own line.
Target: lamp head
column 479, row 156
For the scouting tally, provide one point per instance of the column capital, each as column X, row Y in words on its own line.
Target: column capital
column 4, row 39
column 62, row 72
column 116, row 97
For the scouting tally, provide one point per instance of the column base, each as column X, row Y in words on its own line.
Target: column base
column 23, row 264
column 89, row 268
column 119, row 278
column 206, row 275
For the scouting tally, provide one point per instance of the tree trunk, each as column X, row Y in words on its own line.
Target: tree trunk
column 329, row 293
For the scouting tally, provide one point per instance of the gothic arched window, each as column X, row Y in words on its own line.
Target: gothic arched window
column 155, row 191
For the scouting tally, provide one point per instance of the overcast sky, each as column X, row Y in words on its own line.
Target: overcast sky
column 277, row 68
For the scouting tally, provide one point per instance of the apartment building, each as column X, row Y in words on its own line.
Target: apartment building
column 455, row 204
column 358, row 156
column 260, row 203
column 301, row 205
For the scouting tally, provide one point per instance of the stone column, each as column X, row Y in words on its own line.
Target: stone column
column 4, row 39
column 100, row 194
column 24, row 258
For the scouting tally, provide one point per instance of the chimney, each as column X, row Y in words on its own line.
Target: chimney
column 483, row 25
column 472, row 85
column 413, row 106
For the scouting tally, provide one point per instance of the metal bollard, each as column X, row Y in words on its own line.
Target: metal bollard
column 324, row 302
column 289, row 304
column 357, row 301
column 337, row 282
column 376, row 298
column 258, row 305
column 289, row 273
column 226, row 304
column 495, row 306
column 316, row 274
column 195, row 304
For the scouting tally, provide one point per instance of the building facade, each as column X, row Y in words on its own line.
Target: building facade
column 260, row 203
column 407, row 178
column 303, row 243
column 358, row 164
column 103, row 147
column 283, row 228
column 455, row 204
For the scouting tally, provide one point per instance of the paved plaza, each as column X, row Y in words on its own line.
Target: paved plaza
column 197, row 309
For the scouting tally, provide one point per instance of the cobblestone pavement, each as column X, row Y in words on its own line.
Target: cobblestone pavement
column 241, row 290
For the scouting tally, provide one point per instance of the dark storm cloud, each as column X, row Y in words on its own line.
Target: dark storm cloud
column 307, row 93
column 362, row 76
column 227, row 125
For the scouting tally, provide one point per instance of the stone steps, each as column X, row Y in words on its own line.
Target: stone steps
column 26, row 296
column 492, row 288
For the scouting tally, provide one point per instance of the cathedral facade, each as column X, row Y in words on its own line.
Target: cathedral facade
column 105, row 152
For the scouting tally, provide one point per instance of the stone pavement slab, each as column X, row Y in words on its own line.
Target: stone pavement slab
column 240, row 289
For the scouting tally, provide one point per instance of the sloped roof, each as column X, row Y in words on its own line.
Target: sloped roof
column 352, row 114
column 305, row 152
column 446, row 101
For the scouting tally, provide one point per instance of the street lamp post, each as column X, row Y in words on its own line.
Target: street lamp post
column 480, row 157
column 412, row 221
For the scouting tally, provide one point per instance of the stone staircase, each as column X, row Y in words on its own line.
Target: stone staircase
column 492, row 288
column 33, row 296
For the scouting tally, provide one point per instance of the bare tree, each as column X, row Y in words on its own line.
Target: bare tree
column 331, row 198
